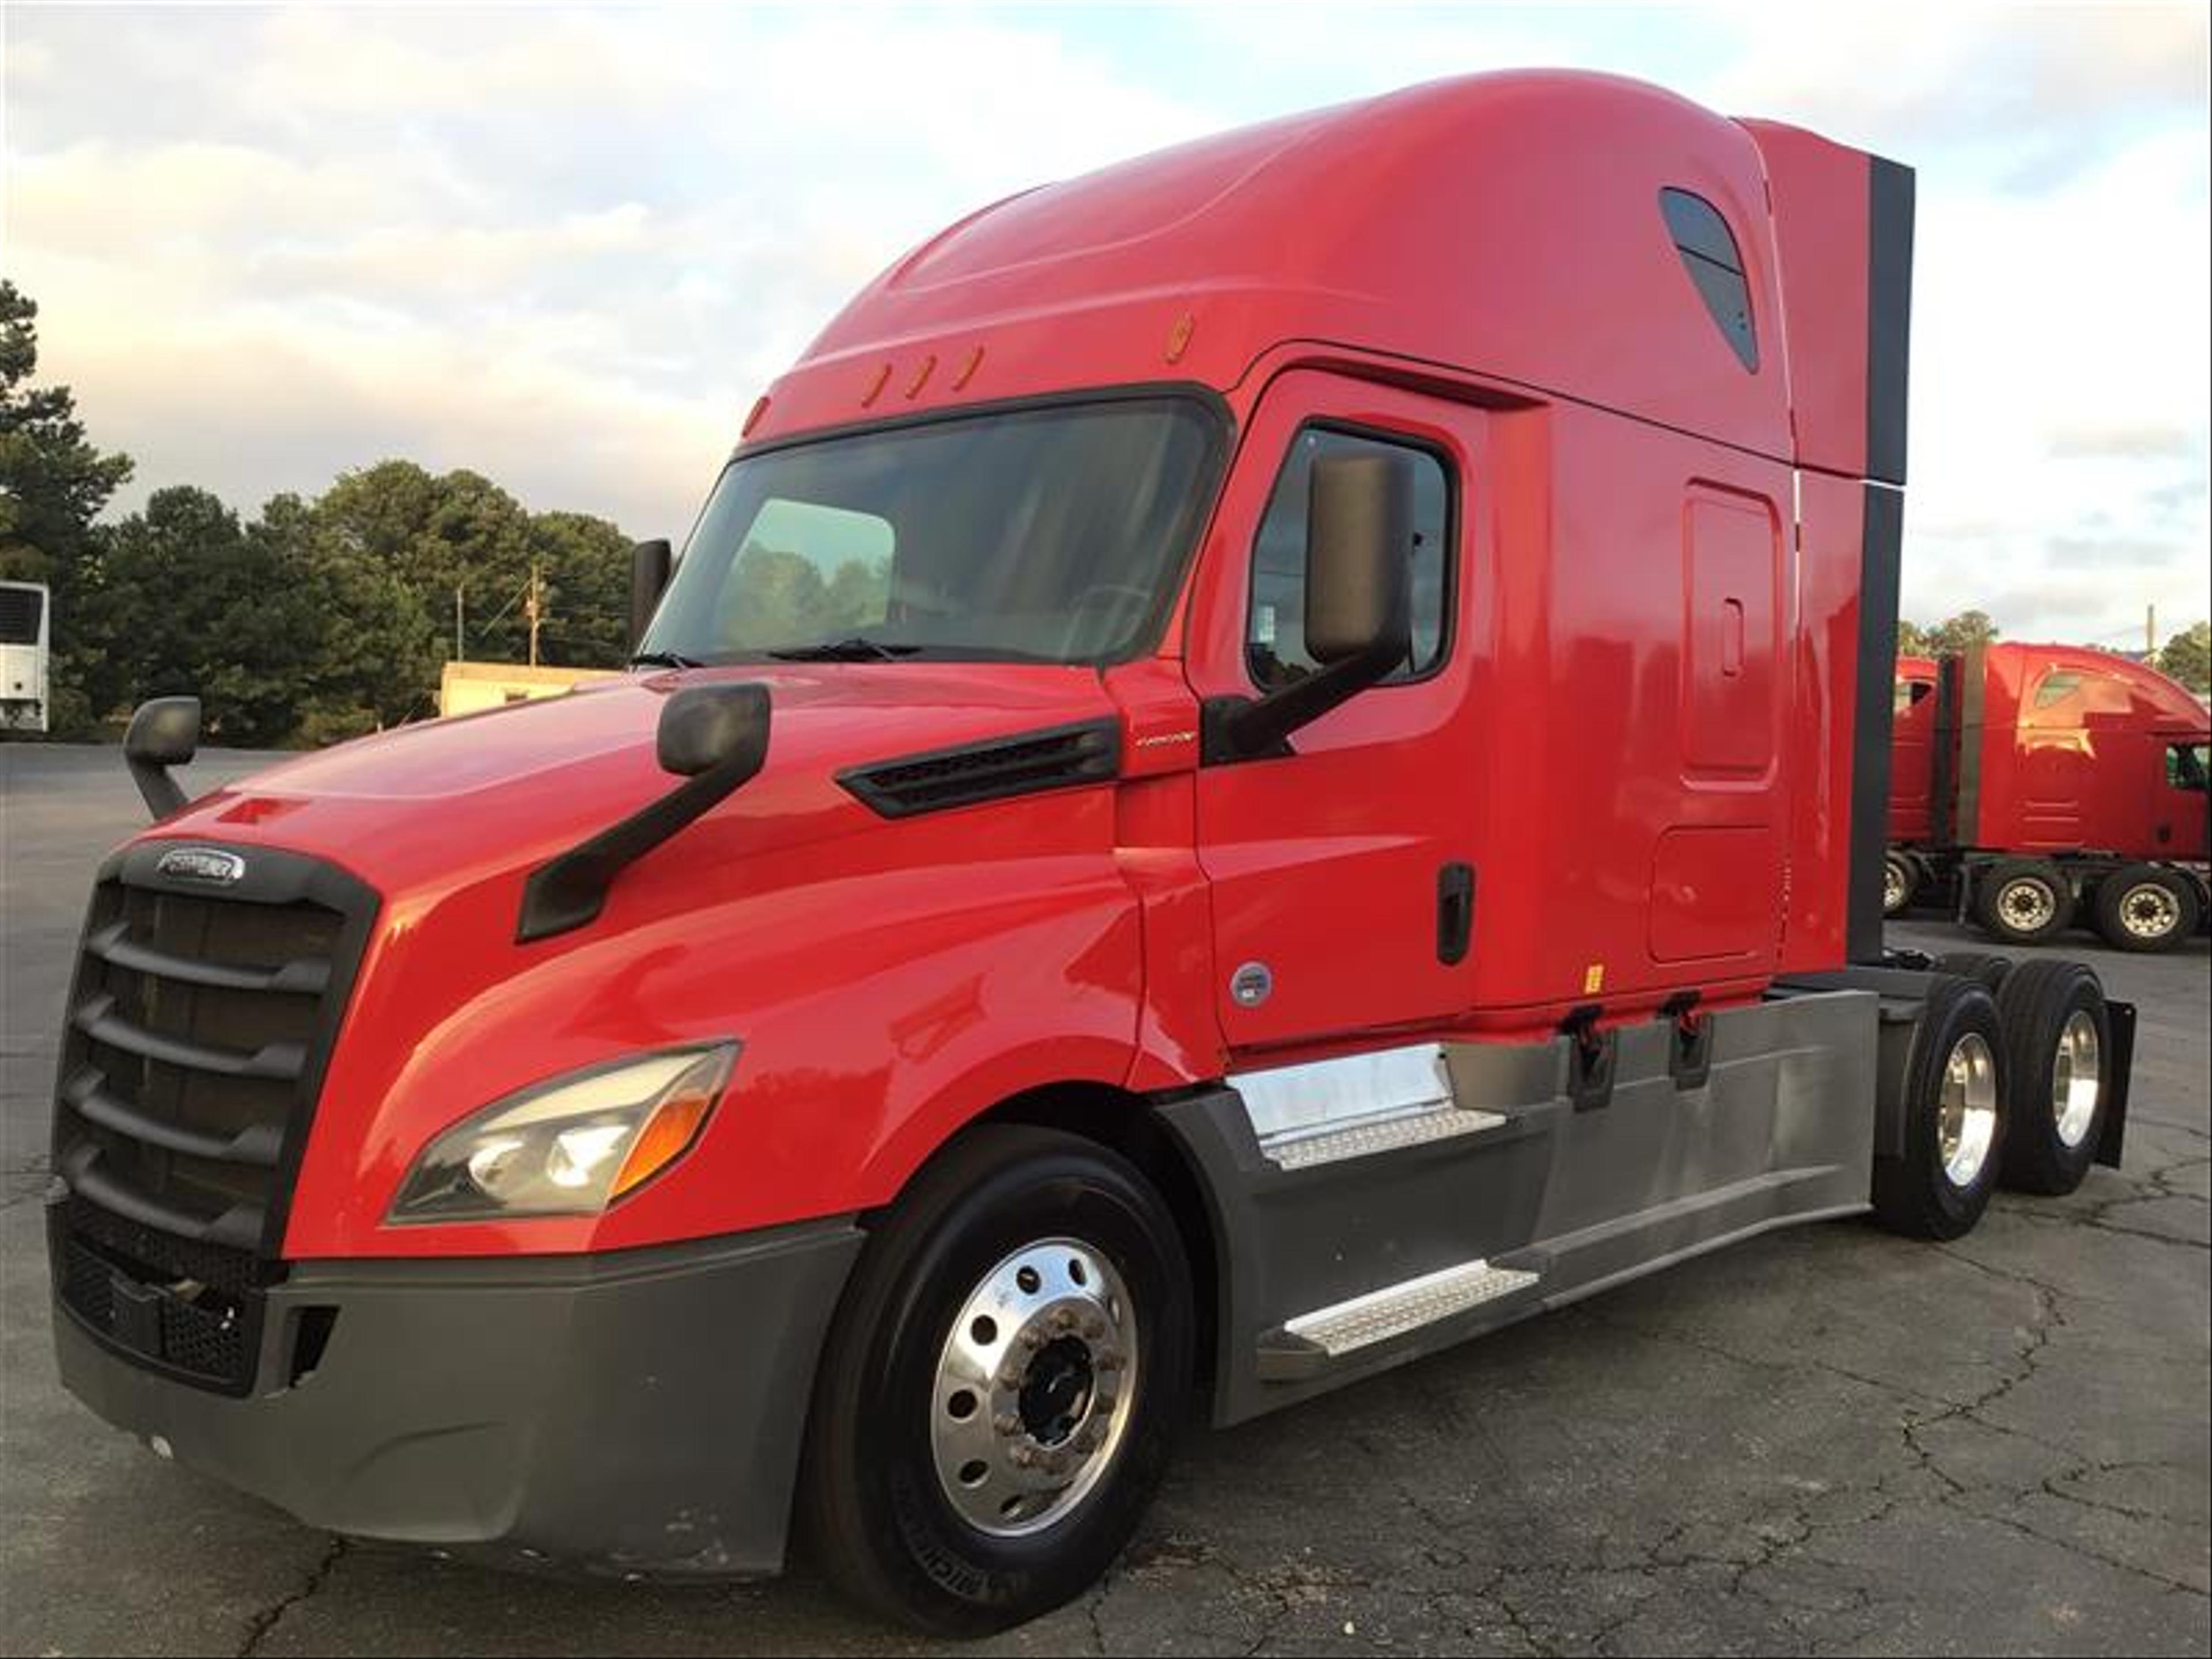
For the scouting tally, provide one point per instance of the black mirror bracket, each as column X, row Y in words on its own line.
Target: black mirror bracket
column 1239, row 728
column 164, row 733
column 569, row 891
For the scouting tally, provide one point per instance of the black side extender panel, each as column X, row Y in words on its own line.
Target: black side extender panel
column 1058, row 757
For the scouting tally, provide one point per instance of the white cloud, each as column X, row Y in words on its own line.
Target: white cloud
column 569, row 247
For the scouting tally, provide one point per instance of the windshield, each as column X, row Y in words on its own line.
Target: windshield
column 1044, row 535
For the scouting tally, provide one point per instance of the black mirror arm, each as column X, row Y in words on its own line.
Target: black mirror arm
column 570, row 891
column 161, row 793
column 1258, row 728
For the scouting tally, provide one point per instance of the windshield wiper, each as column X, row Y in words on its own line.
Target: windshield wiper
column 663, row 660
column 855, row 649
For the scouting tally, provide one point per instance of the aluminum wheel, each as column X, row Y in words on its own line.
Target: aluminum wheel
column 2028, row 905
column 2148, row 911
column 1966, row 1119
column 1034, row 1388
column 2077, row 1078
column 1893, row 888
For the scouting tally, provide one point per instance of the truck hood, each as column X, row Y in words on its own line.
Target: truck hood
column 446, row 803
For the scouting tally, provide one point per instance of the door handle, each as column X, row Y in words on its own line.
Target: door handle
column 1454, row 912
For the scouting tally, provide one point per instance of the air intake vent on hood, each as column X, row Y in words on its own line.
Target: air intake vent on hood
column 1019, row 765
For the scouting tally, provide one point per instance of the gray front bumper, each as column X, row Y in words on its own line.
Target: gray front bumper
column 635, row 1412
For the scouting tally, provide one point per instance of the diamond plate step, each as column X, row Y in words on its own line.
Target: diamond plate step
column 1389, row 1134
column 1380, row 1314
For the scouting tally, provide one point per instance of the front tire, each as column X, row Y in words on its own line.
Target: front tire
column 1954, row 1118
column 1002, row 1386
column 2023, row 901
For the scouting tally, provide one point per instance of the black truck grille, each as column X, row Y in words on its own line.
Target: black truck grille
column 199, row 1027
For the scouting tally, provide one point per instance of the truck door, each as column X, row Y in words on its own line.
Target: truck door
column 2179, row 821
column 1342, row 877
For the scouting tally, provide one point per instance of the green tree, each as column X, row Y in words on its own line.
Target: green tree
column 438, row 535
column 53, row 483
column 585, row 562
column 2188, row 658
column 1911, row 638
column 374, row 660
column 1968, row 628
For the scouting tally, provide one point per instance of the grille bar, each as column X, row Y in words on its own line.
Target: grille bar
column 239, row 1227
column 85, row 1094
column 98, row 1020
column 303, row 975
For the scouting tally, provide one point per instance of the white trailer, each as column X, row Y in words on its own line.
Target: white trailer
column 25, row 618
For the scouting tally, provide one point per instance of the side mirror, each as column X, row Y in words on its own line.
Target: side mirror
column 163, row 732
column 1359, row 544
column 648, row 579
column 1359, row 540
column 706, row 726
column 712, row 737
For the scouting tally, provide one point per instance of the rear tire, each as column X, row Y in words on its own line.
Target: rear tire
column 1954, row 1118
column 1900, row 882
column 1019, row 1252
column 2143, row 908
column 2058, row 1048
column 1988, row 971
column 2023, row 901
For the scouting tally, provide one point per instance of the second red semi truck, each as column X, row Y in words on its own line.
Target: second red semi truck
column 1260, row 762
column 2037, row 785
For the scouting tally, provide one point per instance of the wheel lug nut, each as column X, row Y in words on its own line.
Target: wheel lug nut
column 1021, row 1457
column 1010, row 1380
column 1032, row 1338
column 1063, row 1320
column 1094, row 1328
column 1106, row 1359
column 1006, row 1422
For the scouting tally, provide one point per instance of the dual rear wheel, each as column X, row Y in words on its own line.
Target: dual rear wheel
column 2004, row 1082
column 2137, row 907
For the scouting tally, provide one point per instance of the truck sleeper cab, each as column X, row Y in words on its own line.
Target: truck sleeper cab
column 2035, row 785
column 1260, row 762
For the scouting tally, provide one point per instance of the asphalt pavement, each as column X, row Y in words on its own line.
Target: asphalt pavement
column 1826, row 1441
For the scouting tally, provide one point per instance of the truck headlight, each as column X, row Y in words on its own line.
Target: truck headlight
column 569, row 1146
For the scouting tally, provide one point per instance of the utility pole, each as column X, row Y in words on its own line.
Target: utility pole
column 2150, row 633
column 459, row 654
column 531, row 608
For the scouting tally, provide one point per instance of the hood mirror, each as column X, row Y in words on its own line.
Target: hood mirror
column 712, row 737
column 164, row 733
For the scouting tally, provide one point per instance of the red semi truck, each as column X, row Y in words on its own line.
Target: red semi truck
column 1260, row 762
column 2035, row 784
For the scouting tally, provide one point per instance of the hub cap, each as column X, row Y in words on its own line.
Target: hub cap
column 2148, row 911
column 1892, row 887
column 2076, row 1078
column 1034, row 1388
column 2027, row 905
column 1966, row 1118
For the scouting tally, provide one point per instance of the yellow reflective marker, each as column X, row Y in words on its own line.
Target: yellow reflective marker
column 1594, row 978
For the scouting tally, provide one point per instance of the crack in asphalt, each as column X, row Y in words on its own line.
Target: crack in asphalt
column 264, row 1622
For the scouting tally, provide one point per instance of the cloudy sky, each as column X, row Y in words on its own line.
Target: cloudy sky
column 569, row 247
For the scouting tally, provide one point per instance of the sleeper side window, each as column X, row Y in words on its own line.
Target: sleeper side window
column 1275, row 644
column 1714, row 264
column 2056, row 687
